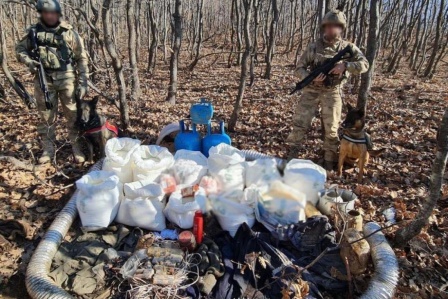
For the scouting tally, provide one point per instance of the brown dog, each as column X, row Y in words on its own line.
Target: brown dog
column 95, row 128
column 355, row 142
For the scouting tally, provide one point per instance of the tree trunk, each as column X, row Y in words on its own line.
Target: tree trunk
column 174, row 61
column 244, row 68
column 132, row 48
column 152, row 55
column 372, row 49
column 199, row 35
column 272, row 36
column 16, row 85
column 404, row 235
column 435, row 49
column 116, row 63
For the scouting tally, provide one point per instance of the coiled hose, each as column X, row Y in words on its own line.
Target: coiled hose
column 384, row 281
column 38, row 284
column 252, row 155
column 41, row 286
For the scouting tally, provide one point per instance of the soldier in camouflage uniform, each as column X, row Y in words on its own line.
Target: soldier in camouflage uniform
column 329, row 97
column 65, row 62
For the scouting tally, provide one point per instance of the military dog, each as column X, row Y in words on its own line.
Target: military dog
column 94, row 128
column 355, row 142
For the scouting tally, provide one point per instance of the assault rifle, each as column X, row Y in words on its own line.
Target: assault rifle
column 325, row 68
column 32, row 35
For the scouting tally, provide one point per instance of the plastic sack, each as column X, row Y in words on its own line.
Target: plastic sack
column 180, row 211
column 279, row 205
column 261, row 172
column 150, row 161
column 305, row 176
column 227, row 165
column 142, row 207
column 210, row 185
column 189, row 167
column 233, row 209
column 98, row 199
column 119, row 157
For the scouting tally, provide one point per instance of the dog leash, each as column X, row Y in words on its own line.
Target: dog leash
column 106, row 125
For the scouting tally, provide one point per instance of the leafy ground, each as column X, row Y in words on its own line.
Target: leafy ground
column 403, row 117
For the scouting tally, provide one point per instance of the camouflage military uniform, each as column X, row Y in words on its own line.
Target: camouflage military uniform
column 65, row 61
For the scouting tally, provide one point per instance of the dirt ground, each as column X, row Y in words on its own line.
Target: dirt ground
column 403, row 117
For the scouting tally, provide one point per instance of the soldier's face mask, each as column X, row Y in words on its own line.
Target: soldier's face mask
column 50, row 18
column 332, row 31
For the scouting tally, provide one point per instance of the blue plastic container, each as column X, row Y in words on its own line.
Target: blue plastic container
column 214, row 139
column 188, row 139
column 202, row 112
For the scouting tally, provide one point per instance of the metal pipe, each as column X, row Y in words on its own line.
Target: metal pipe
column 384, row 281
column 38, row 284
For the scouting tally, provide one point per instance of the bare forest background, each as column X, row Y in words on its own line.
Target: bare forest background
column 149, row 60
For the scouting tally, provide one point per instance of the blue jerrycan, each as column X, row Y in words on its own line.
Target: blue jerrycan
column 214, row 139
column 187, row 139
column 201, row 113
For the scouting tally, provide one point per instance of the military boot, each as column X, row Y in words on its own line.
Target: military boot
column 48, row 153
column 329, row 165
column 77, row 152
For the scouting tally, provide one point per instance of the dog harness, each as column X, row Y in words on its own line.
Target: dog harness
column 359, row 141
column 107, row 126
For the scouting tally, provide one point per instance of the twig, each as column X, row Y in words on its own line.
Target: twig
column 349, row 278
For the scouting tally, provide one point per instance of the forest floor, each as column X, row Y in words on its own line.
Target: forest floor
column 403, row 117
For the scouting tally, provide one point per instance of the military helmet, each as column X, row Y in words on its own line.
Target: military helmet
column 336, row 17
column 48, row 5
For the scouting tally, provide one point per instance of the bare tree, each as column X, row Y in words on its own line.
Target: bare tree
column 404, row 235
column 272, row 37
column 429, row 68
column 174, row 62
column 132, row 48
column 247, row 4
column 116, row 63
column 372, row 49
column 199, row 34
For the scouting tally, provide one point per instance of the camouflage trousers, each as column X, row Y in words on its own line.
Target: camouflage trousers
column 331, row 104
column 62, row 90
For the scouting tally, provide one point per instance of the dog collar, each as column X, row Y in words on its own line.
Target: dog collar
column 106, row 125
column 361, row 140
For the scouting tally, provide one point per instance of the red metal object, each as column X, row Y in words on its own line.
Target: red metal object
column 187, row 241
column 198, row 227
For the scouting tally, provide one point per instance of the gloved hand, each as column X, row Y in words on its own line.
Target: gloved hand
column 81, row 91
column 32, row 66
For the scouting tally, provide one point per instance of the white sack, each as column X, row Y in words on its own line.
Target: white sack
column 142, row 207
column 307, row 177
column 280, row 204
column 180, row 211
column 119, row 157
column 227, row 165
column 189, row 167
column 262, row 172
column 233, row 209
column 150, row 161
column 98, row 199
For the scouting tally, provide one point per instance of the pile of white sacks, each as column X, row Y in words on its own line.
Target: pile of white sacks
column 143, row 185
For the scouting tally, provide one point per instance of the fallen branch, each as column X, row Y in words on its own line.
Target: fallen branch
column 16, row 162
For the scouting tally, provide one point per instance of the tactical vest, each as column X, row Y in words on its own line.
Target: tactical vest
column 54, row 52
column 322, row 54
